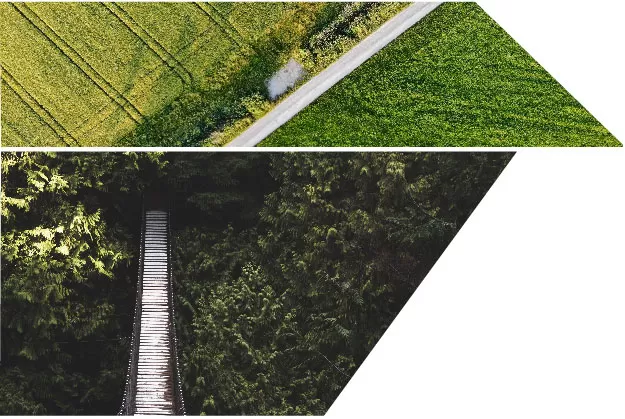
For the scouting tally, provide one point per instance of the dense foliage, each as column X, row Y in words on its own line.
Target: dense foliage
column 456, row 78
column 68, row 252
column 277, row 314
column 287, row 269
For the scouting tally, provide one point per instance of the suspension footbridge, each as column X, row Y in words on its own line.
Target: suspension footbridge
column 153, row 378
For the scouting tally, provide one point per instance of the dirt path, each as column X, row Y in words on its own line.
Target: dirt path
column 323, row 81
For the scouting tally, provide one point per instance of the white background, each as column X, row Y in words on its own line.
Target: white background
column 581, row 43
column 524, row 314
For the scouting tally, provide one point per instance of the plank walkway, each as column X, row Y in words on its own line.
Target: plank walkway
column 155, row 375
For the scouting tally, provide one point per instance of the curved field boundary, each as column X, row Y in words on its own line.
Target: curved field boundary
column 148, row 40
column 227, row 24
column 89, row 123
column 38, row 109
column 323, row 81
column 182, row 53
column 214, row 15
column 75, row 58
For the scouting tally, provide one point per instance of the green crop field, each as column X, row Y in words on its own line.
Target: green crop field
column 108, row 74
column 454, row 79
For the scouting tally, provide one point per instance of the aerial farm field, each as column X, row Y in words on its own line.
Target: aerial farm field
column 108, row 74
column 454, row 79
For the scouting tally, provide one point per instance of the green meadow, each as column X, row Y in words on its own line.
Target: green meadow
column 454, row 79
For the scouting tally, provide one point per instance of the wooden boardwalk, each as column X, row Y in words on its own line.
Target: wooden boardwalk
column 153, row 385
column 155, row 378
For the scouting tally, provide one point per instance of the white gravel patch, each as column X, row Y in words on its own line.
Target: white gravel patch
column 285, row 78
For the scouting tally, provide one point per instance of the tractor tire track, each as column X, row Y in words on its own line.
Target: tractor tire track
column 214, row 15
column 227, row 23
column 38, row 109
column 75, row 58
column 88, row 124
column 148, row 40
column 21, row 141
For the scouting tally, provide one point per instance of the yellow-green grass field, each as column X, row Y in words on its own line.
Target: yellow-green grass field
column 89, row 73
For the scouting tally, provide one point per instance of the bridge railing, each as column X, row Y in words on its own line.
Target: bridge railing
column 179, row 407
column 128, row 402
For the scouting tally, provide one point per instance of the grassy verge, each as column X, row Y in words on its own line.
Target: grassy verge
column 214, row 113
column 454, row 79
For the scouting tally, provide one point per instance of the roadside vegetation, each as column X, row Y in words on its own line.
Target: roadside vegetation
column 160, row 74
column 288, row 268
column 454, row 79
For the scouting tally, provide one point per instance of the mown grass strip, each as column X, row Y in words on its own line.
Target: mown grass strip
column 38, row 109
column 152, row 43
column 75, row 58
column 222, row 23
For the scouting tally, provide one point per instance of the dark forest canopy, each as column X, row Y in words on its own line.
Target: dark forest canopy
column 288, row 267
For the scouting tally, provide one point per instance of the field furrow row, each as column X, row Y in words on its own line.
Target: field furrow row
column 152, row 43
column 78, row 61
column 196, row 41
column 38, row 109
column 114, row 51
column 227, row 23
